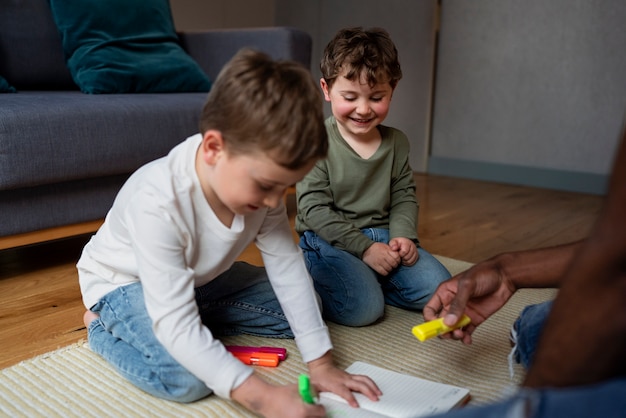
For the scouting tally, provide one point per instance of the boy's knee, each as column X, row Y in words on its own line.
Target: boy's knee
column 187, row 391
column 177, row 386
column 359, row 313
column 192, row 394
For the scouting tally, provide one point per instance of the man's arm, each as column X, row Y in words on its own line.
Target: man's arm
column 484, row 288
column 584, row 339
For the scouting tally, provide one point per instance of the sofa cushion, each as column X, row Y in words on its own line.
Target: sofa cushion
column 49, row 137
column 31, row 56
column 51, row 205
column 124, row 46
column 5, row 87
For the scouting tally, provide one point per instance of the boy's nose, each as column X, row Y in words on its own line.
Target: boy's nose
column 362, row 108
column 272, row 200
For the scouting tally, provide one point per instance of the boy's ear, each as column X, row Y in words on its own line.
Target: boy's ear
column 325, row 89
column 212, row 146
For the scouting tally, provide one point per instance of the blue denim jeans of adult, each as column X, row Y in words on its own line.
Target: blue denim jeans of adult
column 240, row 300
column 353, row 294
column 527, row 330
column 604, row 400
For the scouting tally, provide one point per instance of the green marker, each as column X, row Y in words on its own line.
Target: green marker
column 305, row 389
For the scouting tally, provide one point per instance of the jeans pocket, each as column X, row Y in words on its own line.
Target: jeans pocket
column 309, row 241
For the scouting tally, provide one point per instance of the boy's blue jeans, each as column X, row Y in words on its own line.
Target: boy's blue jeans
column 605, row 399
column 240, row 300
column 355, row 295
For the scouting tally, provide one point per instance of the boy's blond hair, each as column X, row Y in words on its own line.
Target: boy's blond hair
column 259, row 104
column 356, row 52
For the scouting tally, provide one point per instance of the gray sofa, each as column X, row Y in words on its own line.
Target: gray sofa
column 65, row 154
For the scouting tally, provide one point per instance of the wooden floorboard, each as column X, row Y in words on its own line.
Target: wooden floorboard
column 40, row 304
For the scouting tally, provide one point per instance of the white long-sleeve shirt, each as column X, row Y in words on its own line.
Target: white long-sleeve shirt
column 162, row 232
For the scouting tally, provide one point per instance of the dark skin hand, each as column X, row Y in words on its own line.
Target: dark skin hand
column 588, row 317
column 484, row 288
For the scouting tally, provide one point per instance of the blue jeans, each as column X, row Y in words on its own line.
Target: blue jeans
column 353, row 294
column 528, row 328
column 605, row 400
column 240, row 300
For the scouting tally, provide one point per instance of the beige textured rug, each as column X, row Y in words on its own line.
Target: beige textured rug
column 74, row 382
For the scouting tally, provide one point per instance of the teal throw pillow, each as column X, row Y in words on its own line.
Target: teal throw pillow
column 5, row 87
column 125, row 46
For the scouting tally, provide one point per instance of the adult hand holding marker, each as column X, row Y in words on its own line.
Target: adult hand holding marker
column 481, row 291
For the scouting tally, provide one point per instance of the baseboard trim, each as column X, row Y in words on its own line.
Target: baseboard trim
column 571, row 181
column 49, row 234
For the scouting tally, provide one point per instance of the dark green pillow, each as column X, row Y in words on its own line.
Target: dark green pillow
column 125, row 46
column 5, row 87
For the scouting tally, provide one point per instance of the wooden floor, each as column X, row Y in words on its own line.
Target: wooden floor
column 41, row 309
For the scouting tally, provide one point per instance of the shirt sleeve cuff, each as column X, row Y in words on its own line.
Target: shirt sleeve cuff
column 233, row 378
column 314, row 344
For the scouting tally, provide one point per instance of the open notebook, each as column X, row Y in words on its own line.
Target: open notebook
column 404, row 396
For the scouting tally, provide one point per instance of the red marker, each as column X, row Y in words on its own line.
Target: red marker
column 279, row 351
column 258, row 359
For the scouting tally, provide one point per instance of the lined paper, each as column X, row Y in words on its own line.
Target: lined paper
column 403, row 396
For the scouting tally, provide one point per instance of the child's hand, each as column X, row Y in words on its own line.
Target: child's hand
column 381, row 258
column 406, row 249
column 328, row 378
column 272, row 401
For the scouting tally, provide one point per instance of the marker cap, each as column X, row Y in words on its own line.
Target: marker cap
column 427, row 330
column 436, row 327
column 258, row 359
column 280, row 351
column 305, row 389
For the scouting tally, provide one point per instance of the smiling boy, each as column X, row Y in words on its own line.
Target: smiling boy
column 357, row 209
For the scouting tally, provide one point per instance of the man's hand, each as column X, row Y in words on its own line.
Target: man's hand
column 594, row 338
column 478, row 292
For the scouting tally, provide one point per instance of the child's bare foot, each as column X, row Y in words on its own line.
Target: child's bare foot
column 89, row 317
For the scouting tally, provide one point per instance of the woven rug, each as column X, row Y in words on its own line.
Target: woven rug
column 74, row 382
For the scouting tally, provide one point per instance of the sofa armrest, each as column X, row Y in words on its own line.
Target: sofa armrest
column 213, row 48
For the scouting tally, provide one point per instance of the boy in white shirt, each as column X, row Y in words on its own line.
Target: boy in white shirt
column 160, row 277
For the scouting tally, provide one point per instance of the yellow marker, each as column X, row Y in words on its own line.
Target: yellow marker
column 437, row 327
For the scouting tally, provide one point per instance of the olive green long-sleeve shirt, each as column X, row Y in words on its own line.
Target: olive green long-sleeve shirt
column 345, row 193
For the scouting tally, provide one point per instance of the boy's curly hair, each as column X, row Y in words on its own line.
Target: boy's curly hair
column 356, row 52
column 260, row 104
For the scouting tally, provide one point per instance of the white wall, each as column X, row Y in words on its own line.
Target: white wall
column 530, row 91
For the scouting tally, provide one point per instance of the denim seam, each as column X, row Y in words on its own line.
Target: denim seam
column 243, row 306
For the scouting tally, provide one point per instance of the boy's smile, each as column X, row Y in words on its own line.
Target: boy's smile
column 357, row 107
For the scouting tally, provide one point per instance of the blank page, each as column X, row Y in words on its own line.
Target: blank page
column 403, row 396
